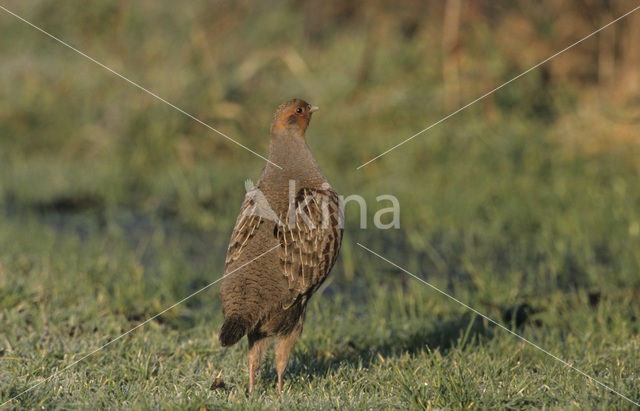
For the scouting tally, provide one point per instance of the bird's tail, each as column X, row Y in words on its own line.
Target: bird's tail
column 233, row 329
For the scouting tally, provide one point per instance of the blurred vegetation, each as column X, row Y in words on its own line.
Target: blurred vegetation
column 114, row 205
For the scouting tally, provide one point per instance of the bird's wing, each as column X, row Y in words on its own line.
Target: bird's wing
column 310, row 236
column 255, row 211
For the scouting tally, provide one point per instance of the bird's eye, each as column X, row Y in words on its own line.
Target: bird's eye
column 299, row 110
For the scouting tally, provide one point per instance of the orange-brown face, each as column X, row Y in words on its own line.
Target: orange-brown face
column 293, row 117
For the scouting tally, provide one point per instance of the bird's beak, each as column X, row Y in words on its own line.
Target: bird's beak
column 314, row 108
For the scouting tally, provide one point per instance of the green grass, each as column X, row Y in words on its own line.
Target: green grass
column 113, row 207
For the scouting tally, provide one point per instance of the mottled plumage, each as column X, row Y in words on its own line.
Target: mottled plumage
column 296, row 211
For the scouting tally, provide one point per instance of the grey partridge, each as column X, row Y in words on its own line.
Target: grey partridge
column 294, row 212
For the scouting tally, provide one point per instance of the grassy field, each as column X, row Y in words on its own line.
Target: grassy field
column 114, row 206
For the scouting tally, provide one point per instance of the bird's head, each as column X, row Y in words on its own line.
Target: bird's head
column 292, row 118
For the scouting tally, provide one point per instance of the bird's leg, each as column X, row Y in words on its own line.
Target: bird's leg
column 284, row 347
column 257, row 345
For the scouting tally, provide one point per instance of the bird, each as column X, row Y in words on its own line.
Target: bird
column 294, row 211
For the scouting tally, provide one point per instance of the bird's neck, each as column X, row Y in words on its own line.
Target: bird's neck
column 295, row 162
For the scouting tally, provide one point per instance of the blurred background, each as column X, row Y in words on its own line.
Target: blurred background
column 556, row 150
column 114, row 199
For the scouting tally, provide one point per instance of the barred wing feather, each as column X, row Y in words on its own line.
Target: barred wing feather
column 310, row 237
